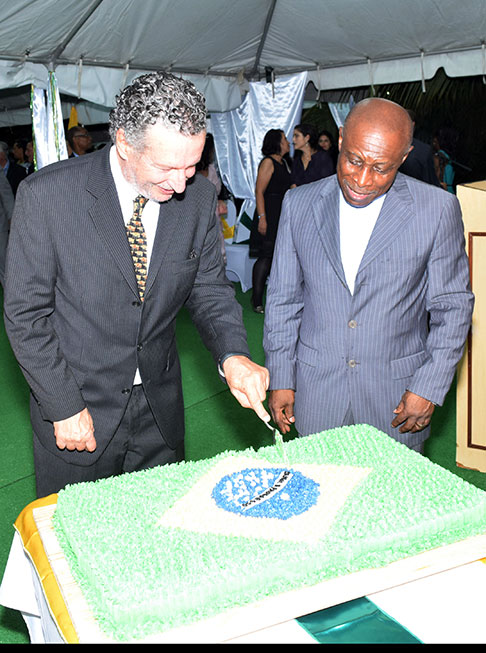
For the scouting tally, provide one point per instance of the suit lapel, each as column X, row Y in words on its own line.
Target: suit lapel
column 107, row 217
column 396, row 211
column 168, row 216
column 326, row 217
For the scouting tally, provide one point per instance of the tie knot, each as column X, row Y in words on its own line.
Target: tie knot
column 139, row 202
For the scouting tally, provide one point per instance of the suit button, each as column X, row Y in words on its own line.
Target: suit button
column 139, row 347
column 136, row 303
column 352, row 324
column 126, row 391
column 352, row 363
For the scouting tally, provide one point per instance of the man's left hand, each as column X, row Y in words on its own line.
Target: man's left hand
column 413, row 413
column 248, row 382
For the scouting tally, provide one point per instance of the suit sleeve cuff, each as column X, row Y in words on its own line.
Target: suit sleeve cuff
column 224, row 357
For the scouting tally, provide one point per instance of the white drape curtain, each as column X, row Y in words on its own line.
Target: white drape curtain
column 339, row 110
column 48, row 128
column 238, row 136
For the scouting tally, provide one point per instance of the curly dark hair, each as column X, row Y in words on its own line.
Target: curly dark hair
column 158, row 97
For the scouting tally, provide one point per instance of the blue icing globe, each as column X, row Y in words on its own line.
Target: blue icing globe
column 278, row 493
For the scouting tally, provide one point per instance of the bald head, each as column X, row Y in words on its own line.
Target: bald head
column 384, row 116
column 374, row 142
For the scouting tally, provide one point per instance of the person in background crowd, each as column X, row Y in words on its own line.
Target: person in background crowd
column 420, row 161
column 273, row 181
column 105, row 249
column 444, row 145
column 79, row 140
column 326, row 143
column 369, row 302
column 206, row 165
column 6, row 210
column 207, row 168
column 29, row 155
column 13, row 172
column 310, row 163
column 18, row 152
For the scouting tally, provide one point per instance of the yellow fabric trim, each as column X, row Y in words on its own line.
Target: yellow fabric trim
column 32, row 542
column 73, row 117
column 228, row 232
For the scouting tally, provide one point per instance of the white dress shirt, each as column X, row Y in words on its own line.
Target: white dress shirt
column 150, row 214
column 356, row 226
column 126, row 194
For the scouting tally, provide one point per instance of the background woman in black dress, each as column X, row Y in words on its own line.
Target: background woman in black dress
column 326, row 143
column 273, row 181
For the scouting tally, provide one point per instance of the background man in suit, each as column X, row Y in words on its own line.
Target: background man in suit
column 420, row 160
column 368, row 304
column 6, row 210
column 13, row 172
column 79, row 140
column 94, row 338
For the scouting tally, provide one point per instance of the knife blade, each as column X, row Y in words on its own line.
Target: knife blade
column 278, row 441
column 276, row 433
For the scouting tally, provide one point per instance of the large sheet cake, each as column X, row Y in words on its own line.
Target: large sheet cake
column 160, row 549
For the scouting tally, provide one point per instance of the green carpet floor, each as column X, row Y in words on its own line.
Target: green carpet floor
column 215, row 422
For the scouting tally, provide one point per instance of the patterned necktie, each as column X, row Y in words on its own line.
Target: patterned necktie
column 138, row 243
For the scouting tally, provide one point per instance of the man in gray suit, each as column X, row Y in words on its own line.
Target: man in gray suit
column 90, row 306
column 368, row 305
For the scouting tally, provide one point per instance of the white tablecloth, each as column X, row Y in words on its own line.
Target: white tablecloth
column 21, row 590
column 447, row 607
column 239, row 265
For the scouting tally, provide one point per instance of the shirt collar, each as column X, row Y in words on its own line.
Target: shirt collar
column 373, row 208
column 126, row 192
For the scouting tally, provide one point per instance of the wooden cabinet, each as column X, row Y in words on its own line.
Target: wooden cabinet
column 471, row 376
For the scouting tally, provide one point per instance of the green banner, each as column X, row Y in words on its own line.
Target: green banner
column 355, row 622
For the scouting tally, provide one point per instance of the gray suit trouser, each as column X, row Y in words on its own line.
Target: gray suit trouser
column 349, row 421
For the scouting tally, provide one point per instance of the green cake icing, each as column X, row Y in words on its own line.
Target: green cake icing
column 141, row 575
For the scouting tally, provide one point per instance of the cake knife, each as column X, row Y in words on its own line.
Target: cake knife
column 277, row 436
column 278, row 441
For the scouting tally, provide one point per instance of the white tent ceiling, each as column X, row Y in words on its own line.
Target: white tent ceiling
column 96, row 46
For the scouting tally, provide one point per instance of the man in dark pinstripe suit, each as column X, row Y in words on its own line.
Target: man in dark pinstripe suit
column 98, row 350
column 368, row 304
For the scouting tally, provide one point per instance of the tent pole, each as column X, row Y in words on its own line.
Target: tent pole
column 77, row 26
column 268, row 20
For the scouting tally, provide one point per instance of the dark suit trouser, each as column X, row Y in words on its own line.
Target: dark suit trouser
column 137, row 444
